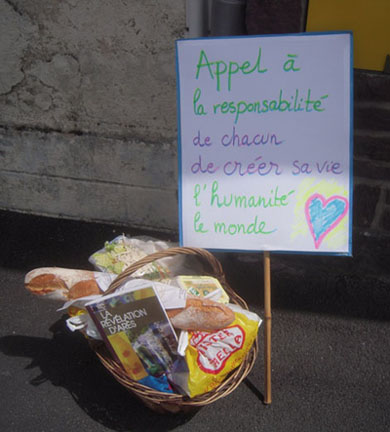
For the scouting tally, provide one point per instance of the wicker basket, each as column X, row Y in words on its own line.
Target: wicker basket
column 168, row 402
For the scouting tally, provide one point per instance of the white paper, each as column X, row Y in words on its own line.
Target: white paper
column 265, row 142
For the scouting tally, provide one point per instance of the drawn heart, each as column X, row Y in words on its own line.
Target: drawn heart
column 323, row 215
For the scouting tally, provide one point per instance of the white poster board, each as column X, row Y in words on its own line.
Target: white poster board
column 265, row 142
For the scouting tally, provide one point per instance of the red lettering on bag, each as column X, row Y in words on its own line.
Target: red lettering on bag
column 214, row 349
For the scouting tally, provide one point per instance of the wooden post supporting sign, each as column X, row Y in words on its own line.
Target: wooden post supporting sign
column 267, row 328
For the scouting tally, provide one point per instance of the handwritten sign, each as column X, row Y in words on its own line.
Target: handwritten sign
column 265, row 142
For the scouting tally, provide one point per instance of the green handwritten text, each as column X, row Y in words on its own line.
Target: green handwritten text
column 198, row 225
column 289, row 65
column 274, row 199
column 292, row 103
column 256, row 227
column 198, row 107
column 219, row 68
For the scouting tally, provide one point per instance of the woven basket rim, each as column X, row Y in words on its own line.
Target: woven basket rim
column 173, row 402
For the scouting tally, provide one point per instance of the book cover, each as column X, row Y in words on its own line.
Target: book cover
column 137, row 331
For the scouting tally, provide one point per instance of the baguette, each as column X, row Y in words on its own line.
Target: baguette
column 201, row 314
column 61, row 283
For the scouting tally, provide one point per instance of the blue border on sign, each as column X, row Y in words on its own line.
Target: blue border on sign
column 351, row 145
column 180, row 179
column 179, row 144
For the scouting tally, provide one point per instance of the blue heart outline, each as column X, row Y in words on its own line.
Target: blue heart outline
column 323, row 215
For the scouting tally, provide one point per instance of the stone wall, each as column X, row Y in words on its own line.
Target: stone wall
column 88, row 109
column 372, row 152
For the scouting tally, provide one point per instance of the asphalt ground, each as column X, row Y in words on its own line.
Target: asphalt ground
column 330, row 342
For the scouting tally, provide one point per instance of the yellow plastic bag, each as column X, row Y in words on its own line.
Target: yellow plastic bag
column 210, row 357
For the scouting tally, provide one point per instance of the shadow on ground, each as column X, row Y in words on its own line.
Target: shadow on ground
column 67, row 361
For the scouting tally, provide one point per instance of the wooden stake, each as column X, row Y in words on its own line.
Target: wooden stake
column 267, row 327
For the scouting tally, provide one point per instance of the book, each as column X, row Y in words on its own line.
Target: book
column 136, row 329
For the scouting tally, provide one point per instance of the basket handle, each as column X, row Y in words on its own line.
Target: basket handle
column 215, row 265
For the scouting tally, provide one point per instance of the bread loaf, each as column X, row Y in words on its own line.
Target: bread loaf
column 201, row 314
column 61, row 283
column 83, row 289
column 45, row 283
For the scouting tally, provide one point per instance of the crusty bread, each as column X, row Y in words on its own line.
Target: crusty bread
column 201, row 314
column 61, row 283
column 45, row 283
column 83, row 289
